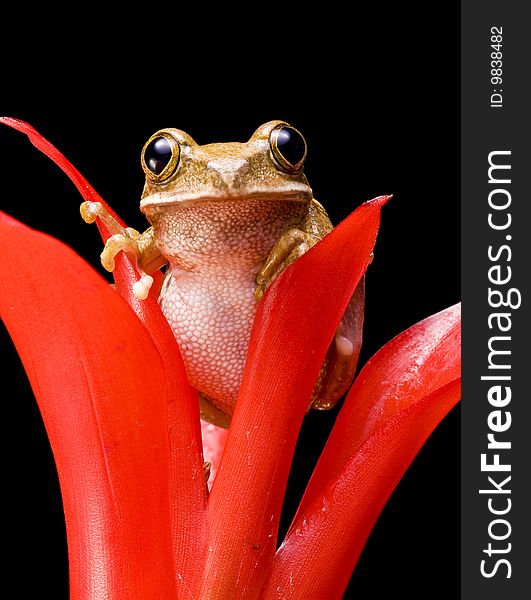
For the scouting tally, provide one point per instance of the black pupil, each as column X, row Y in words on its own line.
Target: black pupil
column 157, row 155
column 291, row 145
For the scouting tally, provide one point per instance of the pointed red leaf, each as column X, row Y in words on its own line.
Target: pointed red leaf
column 412, row 365
column 187, row 486
column 285, row 355
column 340, row 521
column 125, row 273
column 183, row 424
column 401, row 395
column 105, row 398
column 42, row 144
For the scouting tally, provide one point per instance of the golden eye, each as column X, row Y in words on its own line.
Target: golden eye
column 288, row 148
column 160, row 156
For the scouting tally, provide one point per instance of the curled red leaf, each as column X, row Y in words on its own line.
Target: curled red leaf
column 109, row 407
column 293, row 329
column 403, row 393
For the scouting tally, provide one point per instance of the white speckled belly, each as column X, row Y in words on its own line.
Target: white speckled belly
column 211, row 318
column 215, row 250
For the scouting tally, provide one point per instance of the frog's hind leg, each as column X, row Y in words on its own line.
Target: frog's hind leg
column 210, row 413
column 341, row 359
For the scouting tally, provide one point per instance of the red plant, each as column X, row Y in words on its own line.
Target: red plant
column 124, row 426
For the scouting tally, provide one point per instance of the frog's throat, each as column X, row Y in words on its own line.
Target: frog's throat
column 298, row 193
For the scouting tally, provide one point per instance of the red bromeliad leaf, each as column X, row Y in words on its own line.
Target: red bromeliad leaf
column 109, row 406
column 124, row 425
column 184, row 432
column 397, row 400
column 183, row 424
column 293, row 329
column 125, row 273
column 317, row 559
column 412, row 365
column 83, row 186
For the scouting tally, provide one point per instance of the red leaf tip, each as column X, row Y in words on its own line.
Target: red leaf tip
column 8, row 120
column 379, row 201
column 17, row 124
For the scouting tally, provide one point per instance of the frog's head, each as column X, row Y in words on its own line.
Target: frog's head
column 269, row 166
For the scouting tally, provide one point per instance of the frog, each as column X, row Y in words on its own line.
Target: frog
column 225, row 220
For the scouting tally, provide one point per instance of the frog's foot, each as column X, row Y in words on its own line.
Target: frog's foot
column 338, row 373
column 291, row 245
column 123, row 239
column 123, row 242
column 90, row 211
column 341, row 360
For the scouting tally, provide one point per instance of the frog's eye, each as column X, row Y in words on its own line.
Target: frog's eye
column 288, row 148
column 160, row 156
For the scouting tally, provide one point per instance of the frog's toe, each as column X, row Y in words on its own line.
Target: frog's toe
column 114, row 244
column 142, row 286
column 118, row 242
column 344, row 346
column 259, row 291
column 90, row 211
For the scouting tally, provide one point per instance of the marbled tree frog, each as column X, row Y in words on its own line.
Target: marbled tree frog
column 226, row 219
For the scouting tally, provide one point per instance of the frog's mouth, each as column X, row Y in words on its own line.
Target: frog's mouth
column 299, row 193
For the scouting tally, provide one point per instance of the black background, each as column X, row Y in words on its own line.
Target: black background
column 377, row 99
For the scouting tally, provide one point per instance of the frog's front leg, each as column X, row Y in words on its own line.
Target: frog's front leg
column 291, row 245
column 340, row 363
column 140, row 248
